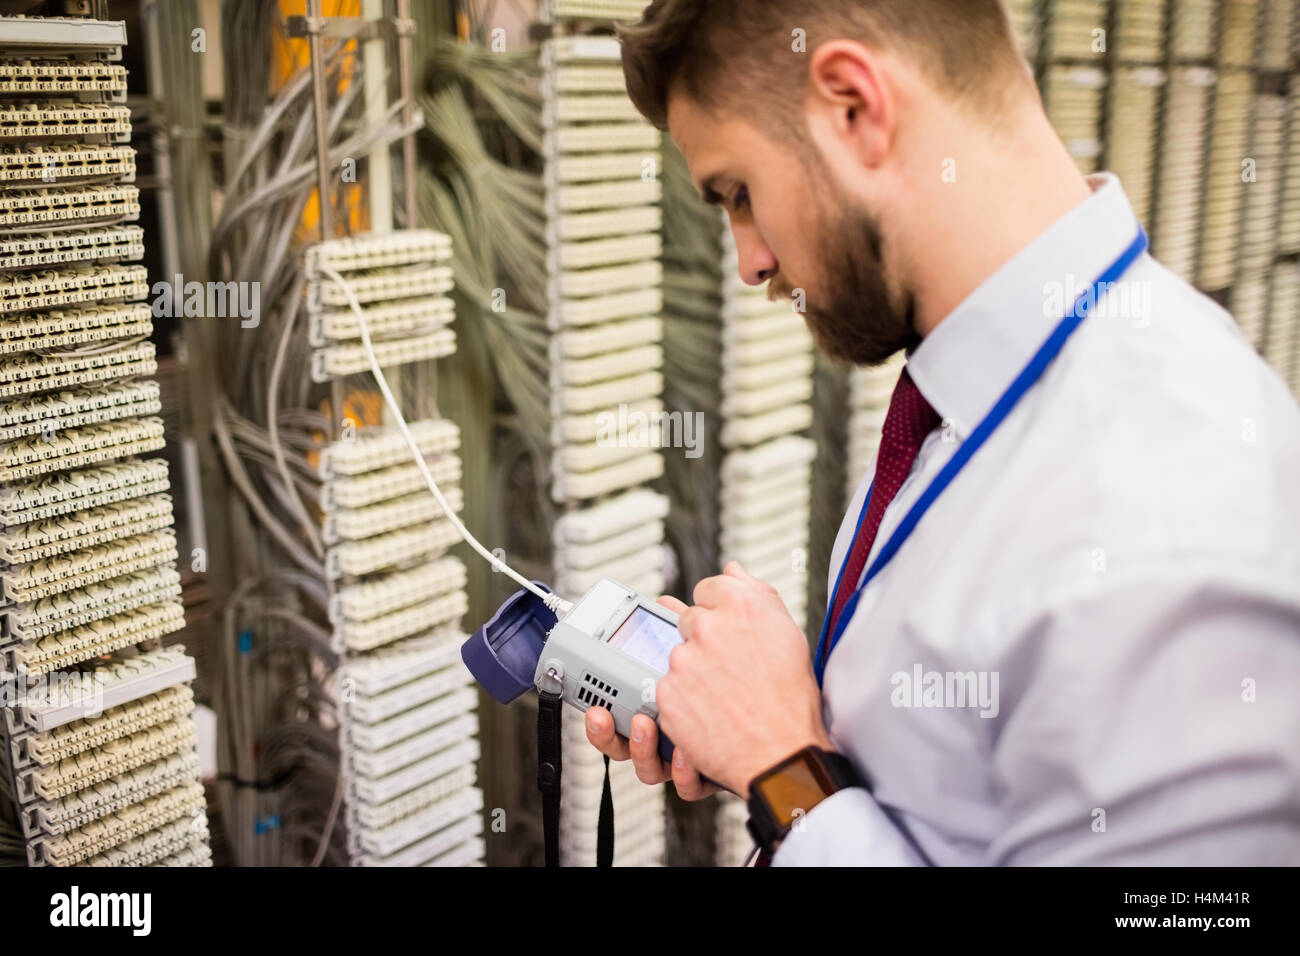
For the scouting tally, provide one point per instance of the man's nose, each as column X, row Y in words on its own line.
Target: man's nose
column 757, row 264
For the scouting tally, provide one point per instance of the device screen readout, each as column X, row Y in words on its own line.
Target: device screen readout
column 648, row 638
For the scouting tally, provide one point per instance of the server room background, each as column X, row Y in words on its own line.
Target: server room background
column 225, row 537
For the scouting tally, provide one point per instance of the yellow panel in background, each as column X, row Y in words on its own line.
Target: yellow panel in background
column 288, row 56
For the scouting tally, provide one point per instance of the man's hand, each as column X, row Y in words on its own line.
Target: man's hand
column 739, row 695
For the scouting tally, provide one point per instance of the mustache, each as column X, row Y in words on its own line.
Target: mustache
column 778, row 289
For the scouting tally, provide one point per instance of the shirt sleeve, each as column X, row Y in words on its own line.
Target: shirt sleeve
column 1154, row 721
column 848, row 828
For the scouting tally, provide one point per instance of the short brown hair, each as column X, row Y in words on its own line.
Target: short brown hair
column 732, row 54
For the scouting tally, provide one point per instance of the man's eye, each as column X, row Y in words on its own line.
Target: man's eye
column 741, row 200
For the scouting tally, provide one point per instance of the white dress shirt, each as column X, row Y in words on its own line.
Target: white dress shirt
column 1117, row 569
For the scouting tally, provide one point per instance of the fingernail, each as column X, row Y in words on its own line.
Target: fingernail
column 677, row 759
column 591, row 725
column 637, row 733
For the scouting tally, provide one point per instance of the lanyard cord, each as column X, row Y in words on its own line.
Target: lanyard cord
column 1023, row 382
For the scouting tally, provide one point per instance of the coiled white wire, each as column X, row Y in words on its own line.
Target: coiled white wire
column 553, row 602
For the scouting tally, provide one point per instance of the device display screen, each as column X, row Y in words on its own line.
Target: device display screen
column 648, row 638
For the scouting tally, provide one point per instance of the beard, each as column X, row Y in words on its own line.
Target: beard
column 857, row 319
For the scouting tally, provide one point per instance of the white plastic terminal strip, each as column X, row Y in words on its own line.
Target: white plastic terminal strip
column 602, row 138
column 384, row 250
column 603, row 308
column 748, row 402
column 23, row 375
column 188, row 833
column 123, row 825
column 85, row 529
column 768, row 425
column 585, row 78
column 45, row 77
column 594, row 9
column 578, row 49
column 115, row 757
column 452, row 839
column 602, row 368
column 394, row 785
column 376, row 448
column 580, row 429
column 465, row 804
column 65, row 410
column 583, row 343
column 385, row 815
column 44, row 249
column 357, row 491
column 88, row 733
column 606, row 395
column 29, row 121
column 349, row 524
column 59, row 612
column 383, row 285
column 611, row 517
column 449, row 695
column 35, row 208
column 408, row 622
column 97, row 638
column 584, row 557
column 586, row 458
column 375, row 597
column 390, row 550
column 64, row 164
column 597, row 166
column 390, row 668
column 74, row 491
column 573, row 227
column 195, row 853
column 27, row 292
column 78, row 447
column 604, row 252
column 593, row 484
column 589, row 108
column 568, row 198
column 31, row 582
column 433, row 735
column 78, row 809
column 120, row 682
column 338, row 360
column 406, row 317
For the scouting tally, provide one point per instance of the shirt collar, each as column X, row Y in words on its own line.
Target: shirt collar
column 966, row 362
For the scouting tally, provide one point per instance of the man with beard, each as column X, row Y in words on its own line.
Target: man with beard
column 1064, row 608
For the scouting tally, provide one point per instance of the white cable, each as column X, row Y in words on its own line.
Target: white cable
column 552, row 601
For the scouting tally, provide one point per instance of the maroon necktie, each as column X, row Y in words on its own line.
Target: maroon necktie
column 907, row 423
column 909, row 420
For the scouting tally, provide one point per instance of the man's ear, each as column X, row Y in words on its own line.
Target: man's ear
column 849, row 92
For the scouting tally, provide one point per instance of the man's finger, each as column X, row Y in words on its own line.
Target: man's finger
column 735, row 569
column 673, row 604
column 601, row 733
column 644, row 746
column 710, row 591
column 686, row 779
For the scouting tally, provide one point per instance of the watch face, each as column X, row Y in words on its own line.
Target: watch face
column 792, row 790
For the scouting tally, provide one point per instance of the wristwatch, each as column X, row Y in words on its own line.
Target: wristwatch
column 780, row 796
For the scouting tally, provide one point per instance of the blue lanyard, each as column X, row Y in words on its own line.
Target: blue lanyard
column 1024, row 381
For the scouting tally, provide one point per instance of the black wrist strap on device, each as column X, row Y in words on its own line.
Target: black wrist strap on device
column 549, row 766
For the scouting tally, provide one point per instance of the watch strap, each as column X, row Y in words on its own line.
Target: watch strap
column 763, row 825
